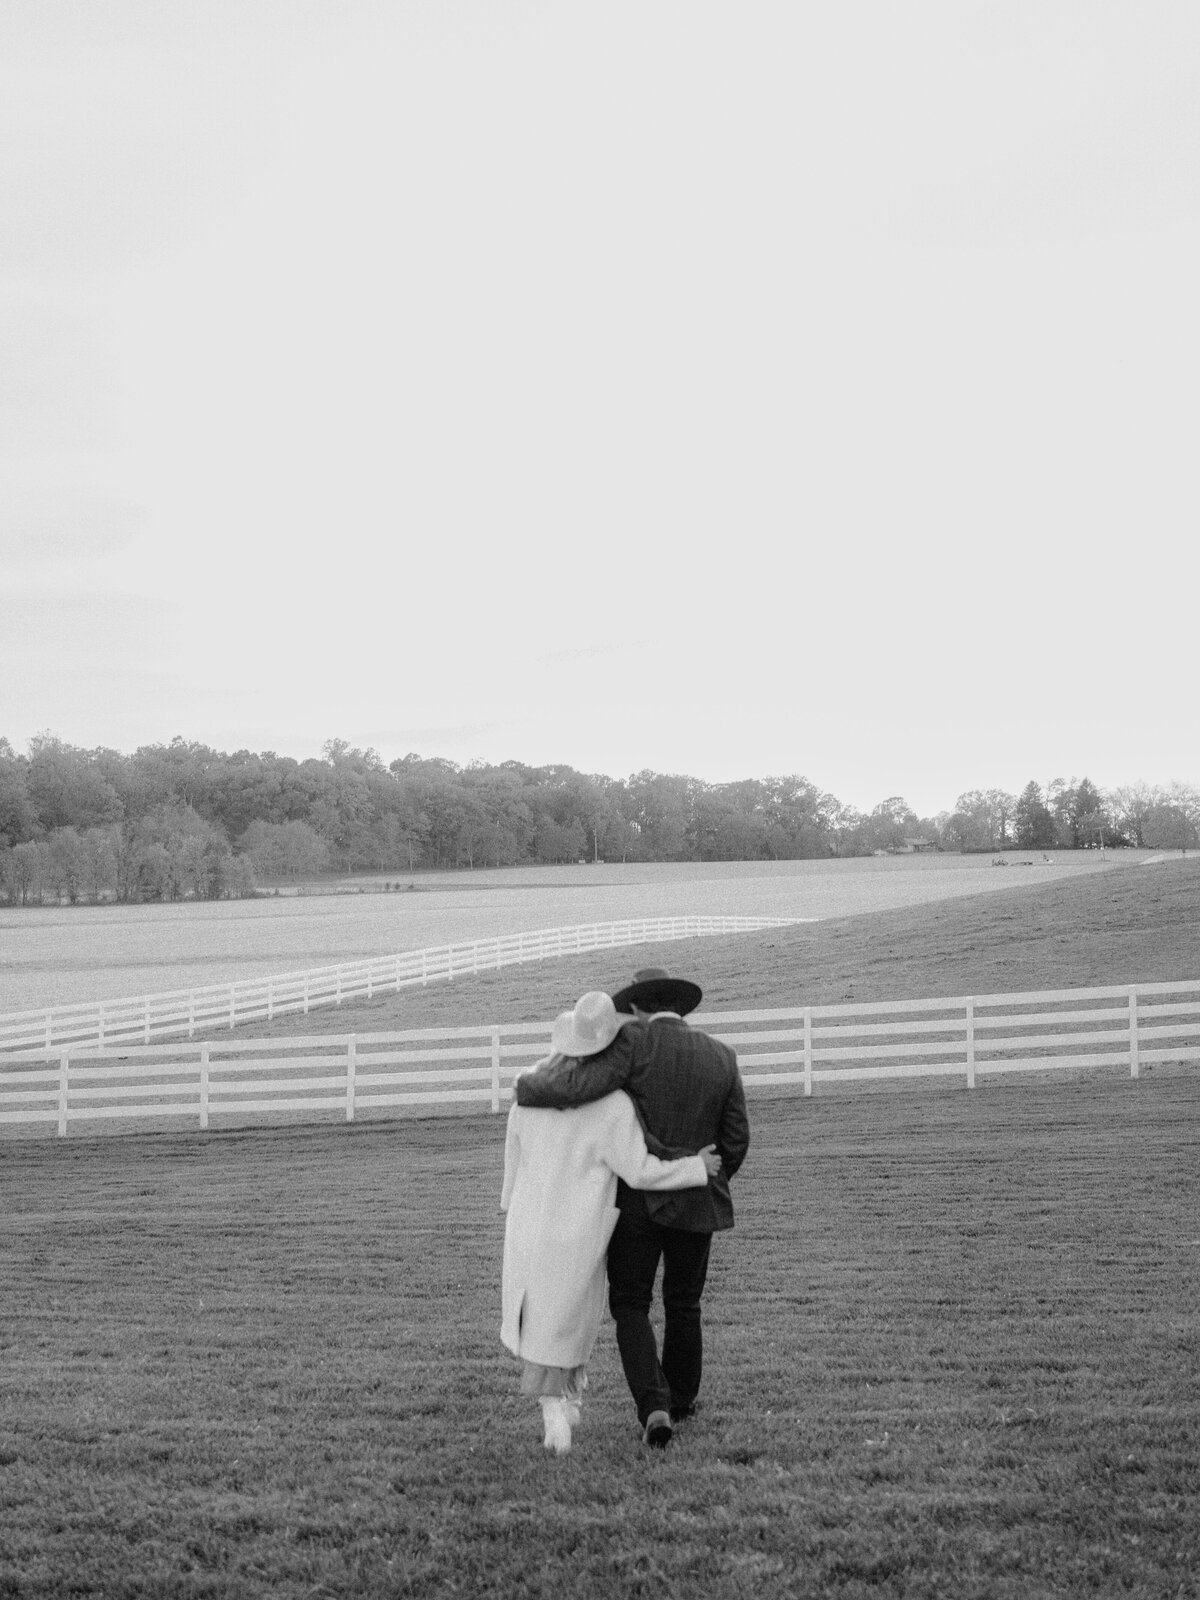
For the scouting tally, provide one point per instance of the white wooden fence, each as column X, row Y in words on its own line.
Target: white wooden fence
column 253, row 999
column 347, row 1075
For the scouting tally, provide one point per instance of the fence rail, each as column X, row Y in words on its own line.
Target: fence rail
column 966, row 1038
column 225, row 1005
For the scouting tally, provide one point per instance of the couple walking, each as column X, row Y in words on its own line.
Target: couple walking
column 619, row 1152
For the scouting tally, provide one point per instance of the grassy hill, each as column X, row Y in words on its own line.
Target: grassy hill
column 1135, row 925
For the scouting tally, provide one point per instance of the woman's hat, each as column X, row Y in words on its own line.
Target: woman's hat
column 653, row 990
column 591, row 1027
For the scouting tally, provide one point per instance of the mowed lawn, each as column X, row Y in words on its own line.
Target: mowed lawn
column 953, row 1349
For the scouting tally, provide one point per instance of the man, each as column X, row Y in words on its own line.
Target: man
column 688, row 1093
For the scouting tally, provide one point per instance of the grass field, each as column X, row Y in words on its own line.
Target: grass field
column 952, row 1349
column 1133, row 925
column 58, row 955
column 953, row 1343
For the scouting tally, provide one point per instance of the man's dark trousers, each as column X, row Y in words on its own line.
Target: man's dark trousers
column 636, row 1247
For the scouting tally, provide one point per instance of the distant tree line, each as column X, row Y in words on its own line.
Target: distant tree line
column 1074, row 816
column 182, row 821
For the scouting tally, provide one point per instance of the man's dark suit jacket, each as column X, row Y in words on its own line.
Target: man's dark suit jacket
column 688, row 1092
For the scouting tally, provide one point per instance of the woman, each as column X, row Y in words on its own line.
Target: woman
column 560, row 1184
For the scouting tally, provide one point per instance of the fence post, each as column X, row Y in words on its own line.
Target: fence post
column 971, row 1043
column 351, row 1069
column 1133, row 1034
column 338, row 995
column 204, row 1086
column 64, row 1075
column 808, row 1049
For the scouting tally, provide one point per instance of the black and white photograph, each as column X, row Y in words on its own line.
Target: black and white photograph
column 599, row 799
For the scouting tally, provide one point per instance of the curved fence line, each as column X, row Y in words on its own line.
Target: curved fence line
column 271, row 1081
column 145, row 1017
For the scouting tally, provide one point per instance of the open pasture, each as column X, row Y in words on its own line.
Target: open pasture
column 51, row 956
column 953, row 1349
column 1092, row 930
column 1097, row 931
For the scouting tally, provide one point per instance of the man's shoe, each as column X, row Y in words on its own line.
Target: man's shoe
column 682, row 1413
column 658, row 1430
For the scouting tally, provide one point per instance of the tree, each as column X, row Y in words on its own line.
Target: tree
column 560, row 841
column 1059, row 799
column 25, row 873
column 846, row 824
column 172, row 853
column 458, row 824
column 182, row 770
column 291, row 850
column 930, row 828
column 506, row 832
column 66, row 864
column 394, row 842
column 726, row 825
column 658, row 809
column 797, row 820
column 99, row 869
column 575, row 797
column 890, row 823
column 1085, row 813
column 154, row 879
column 245, row 788
column 1002, row 806
column 1129, row 808
column 614, row 836
column 970, row 825
column 342, row 816
column 221, row 874
column 139, row 781
column 1032, row 823
column 1169, row 827
column 339, row 752
column 982, row 820
column 18, row 819
column 65, row 787
column 1187, row 797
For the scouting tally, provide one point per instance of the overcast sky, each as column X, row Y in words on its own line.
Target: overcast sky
column 725, row 389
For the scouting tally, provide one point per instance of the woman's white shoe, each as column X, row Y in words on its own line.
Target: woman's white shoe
column 557, row 1415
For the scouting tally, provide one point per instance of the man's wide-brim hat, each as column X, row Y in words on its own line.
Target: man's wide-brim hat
column 653, row 989
column 590, row 1027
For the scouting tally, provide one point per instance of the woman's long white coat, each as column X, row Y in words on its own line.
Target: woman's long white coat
column 560, row 1186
